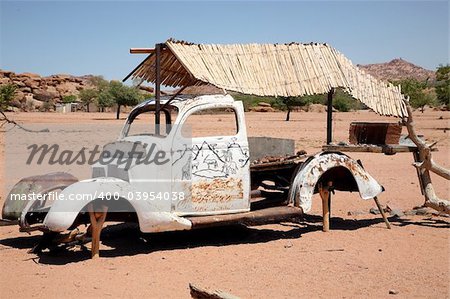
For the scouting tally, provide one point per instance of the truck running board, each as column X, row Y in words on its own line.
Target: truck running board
column 252, row 218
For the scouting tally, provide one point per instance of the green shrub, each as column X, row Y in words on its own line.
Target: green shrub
column 69, row 99
column 417, row 92
column 443, row 85
column 7, row 94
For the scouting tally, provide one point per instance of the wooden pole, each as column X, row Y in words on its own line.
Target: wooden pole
column 330, row 116
column 142, row 51
column 325, row 195
column 97, row 220
column 388, row 225
column 157, row 88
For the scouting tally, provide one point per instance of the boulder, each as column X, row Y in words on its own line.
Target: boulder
column 5, row 80
column 31, row 83
column 43, row 95
column 18, row 83
column 30, row 75
column 20, row 95
column 262, row 109
column 25, row 89
column 12, row 109
column 317, row 108
column 15, row 103
column 6, row 74
column 32, row 104
column 52, row 90
column 63, row 76
column 66, row 88
column 263, row 104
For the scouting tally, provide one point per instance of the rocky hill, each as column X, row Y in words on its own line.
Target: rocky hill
column 398, row 69
column 41, row 93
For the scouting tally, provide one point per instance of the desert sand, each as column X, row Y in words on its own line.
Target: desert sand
column 358, row 258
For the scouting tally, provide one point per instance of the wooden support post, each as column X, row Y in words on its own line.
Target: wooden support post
column 330, row 116
column 97, row 220
column 416, row 156
column 325, row 195
column 388, row 225
column 157, row 88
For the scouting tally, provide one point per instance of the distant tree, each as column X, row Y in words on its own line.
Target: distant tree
column 416, row 90
column 101, row 90
column 69, row 99
column 443, row 84
column 290, row 102
column 104, row 99
column 123, row 95
column 88, row 96
column 7, row 94
column 342, row 101
column 99, row 83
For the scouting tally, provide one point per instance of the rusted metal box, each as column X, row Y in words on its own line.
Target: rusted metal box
column 374, row 133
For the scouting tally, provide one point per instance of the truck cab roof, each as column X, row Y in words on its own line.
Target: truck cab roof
column 180, row 102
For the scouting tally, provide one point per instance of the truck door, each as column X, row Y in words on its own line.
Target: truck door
column 217, row 172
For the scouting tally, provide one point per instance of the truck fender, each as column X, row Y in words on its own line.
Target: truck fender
column 63, row 213
column 345, row 173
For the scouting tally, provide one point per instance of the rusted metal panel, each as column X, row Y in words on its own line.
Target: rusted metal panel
column 261, row 147
column 374, row 133
column 304, row 183
column 259, row 217
column 40, row 184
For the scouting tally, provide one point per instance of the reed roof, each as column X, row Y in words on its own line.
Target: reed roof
column 279, row 70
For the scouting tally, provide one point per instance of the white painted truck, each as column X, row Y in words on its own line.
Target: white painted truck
column 192, row 182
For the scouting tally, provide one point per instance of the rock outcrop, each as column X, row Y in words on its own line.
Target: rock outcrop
column 398, row 69
column 42, row 93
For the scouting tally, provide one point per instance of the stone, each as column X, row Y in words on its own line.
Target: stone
column 397, row 213
column 25, row 89
column 374, row 211
column 262, row 109
column 33, row 104
column 42, row 95
column 52, row 90
column 288, row 245
column 410, row 212
column 19, row 95
column 393, row 292
column 15, row 103
column 30, row 75
column 12, row 109
column 317, row 108
column 422, row 211
column 19, row 83
column 263, row 104
column 6, row 73
column 356, row 213
column 5, row 81
column 31, row 83
column 66, row 88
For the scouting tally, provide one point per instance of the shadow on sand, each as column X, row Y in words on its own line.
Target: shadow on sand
column 127, row 240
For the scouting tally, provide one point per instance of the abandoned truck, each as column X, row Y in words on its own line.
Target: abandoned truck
column 192, row 182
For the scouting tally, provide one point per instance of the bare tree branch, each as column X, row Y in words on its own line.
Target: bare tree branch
column 5, row 120
column 426, row 165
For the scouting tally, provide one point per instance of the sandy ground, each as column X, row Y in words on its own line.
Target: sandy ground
column 358, row 258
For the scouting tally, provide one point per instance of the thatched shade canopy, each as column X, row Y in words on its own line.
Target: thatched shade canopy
column 288, row 70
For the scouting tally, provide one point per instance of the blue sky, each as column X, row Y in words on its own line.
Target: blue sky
column 94, row 37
